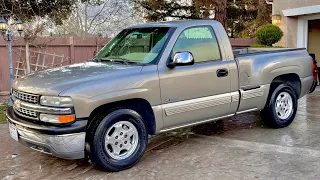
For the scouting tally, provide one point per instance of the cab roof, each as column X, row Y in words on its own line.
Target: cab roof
column 178, row 24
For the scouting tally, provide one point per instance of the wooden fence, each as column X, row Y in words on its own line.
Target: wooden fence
column 241, row 42
column 39, row 61
column 71, row 49
column 74, row 50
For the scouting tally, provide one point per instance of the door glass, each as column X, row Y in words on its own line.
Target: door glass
column 201, row 42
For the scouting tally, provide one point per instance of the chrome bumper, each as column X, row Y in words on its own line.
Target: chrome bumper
column 67, row 146
column 66, row 142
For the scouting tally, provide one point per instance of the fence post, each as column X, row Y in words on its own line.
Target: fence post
column 71, row 50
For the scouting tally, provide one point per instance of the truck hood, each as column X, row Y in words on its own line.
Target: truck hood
column 53, row 81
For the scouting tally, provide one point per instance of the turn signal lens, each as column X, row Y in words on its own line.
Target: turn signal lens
column 66, row 119
column 57, row 119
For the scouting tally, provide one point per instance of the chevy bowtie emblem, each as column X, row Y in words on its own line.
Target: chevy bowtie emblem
column 17, row 104
column 172, row 99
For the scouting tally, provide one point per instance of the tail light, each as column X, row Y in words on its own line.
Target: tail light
column 314, row 70
column 314, row 67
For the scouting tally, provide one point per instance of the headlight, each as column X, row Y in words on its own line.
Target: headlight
column 56, row 101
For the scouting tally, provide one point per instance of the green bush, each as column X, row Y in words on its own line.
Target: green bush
column 2, row 113
column 269, row 34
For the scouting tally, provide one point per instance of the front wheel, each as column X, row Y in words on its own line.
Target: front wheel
column 118, row 142
column 281, row 107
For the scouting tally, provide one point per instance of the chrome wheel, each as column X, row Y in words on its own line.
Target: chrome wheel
column 284, row 105
column 121, row 140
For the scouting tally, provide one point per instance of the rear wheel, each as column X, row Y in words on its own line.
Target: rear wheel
column 281, row 107
column 118, row 141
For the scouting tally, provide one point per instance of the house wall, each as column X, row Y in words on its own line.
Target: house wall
column 289, row 24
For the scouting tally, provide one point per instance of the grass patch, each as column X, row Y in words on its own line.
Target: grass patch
column 263, row 46
column 2, row 114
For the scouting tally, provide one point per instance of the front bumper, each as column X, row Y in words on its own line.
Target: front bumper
column 66, row 142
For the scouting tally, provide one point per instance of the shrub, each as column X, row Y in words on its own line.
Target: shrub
column 269, row 34
column 2, row 113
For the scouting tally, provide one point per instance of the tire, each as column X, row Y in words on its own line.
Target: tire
column 282, row 116
column 110, row 146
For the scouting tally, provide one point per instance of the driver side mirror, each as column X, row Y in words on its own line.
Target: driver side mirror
column 181, row 59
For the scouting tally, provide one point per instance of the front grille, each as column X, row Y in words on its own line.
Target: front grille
column 26, row 113
column 26, row 97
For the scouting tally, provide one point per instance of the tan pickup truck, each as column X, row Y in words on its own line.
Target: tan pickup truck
column 153, row 78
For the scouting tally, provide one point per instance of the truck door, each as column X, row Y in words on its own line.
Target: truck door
column 198, row 92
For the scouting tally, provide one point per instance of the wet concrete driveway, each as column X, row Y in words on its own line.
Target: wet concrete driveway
column 242, row 149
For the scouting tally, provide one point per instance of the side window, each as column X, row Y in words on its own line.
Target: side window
column 201, row 42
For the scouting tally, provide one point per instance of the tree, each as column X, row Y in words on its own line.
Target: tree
column 161, row 10
column 245, row 16
column 239, row 12
column 241, row 18
column 35, row 14
column 26, row 10
column 103, row 17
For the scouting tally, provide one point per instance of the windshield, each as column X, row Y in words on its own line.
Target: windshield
column 137, row 45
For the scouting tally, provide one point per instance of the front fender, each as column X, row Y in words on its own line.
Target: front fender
column 142, row 85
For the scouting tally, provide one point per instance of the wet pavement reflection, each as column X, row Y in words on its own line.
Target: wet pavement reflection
column 240, row 147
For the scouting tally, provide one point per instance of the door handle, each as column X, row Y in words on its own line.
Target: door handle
column 222, row 72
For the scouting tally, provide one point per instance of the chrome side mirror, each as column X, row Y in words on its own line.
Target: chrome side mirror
column 181, row 59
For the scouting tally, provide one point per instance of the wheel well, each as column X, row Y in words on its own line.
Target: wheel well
column 292, row 79
column 141, row 106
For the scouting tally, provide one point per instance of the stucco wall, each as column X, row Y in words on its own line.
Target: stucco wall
column 289, row 24
column 279, row 5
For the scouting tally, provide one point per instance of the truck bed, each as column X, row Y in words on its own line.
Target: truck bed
column 255, row 51
column 257, row 69
column 261, row 67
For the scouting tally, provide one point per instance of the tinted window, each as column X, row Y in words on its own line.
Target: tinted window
column 201, row 42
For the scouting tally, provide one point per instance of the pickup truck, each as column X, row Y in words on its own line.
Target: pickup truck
column 149, row 79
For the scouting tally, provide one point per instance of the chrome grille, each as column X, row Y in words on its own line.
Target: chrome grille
column 26, row 97
column 26, row 113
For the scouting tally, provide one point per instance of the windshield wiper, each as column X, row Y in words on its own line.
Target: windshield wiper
column 112, row 60
column 120, row 60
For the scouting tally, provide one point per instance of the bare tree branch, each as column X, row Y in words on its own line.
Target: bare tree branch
column 99, row 17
